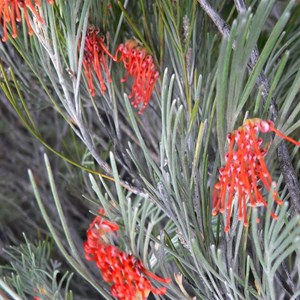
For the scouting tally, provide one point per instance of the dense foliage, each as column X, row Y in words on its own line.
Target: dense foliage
column 149, row 149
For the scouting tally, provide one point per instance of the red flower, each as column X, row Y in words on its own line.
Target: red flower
column 96, row 234
column 41, row 291
column 10, row 12
column 245, row 171
column 94, row 59
column 125, row 272
column 137, row 63
column 141, row 67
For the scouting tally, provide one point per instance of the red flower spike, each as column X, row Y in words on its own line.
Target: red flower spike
column 41, row 291
column 141, row 67
column 94, row 59
column 125, row 273
column 10, row 12
column 245, row 169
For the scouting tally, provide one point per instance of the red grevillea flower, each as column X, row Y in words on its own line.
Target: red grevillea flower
column 245, row 172
column 138, row 64
column 124, row 272
column 41, row 291
column 94, row 59
column 141, row 67
column 96, row 234
column 10, row 12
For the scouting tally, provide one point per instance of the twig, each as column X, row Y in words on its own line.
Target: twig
column 286, row 166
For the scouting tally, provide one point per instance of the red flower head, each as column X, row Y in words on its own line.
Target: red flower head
column 10, row 12
column 94, row 59
column 41, row 291
column 141, row 67
column 245, row 171
column 125, row 273
column 96, row 234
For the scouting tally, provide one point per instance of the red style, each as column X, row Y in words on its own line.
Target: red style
column 10, row 12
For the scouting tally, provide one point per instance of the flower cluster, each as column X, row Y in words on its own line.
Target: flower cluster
column 125, row 272
column 10, row 12
column 94, row 59
column 245, row 171
column 140, row 66
column 40, row 291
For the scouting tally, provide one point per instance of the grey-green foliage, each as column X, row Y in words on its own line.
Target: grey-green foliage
column 223, row 270
column 172, row 153
column 33, row 273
